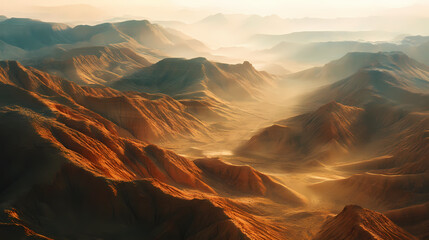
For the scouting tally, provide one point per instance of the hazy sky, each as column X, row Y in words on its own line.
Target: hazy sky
column 191, row 10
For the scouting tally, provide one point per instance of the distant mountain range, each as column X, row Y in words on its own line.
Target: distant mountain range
column 317, row 53
column 31, row 35
column 392, row 77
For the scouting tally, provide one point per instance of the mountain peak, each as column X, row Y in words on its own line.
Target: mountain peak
column 199, row 59
column 332, row 106
column 355, row 222
column 135, row 22
column 335, row 107
column 178, row 76
column 352, row 210
column 218, row 18
column 12, row 65
column 247, row 63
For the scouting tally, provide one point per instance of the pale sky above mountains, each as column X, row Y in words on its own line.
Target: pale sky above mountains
column 191, row 10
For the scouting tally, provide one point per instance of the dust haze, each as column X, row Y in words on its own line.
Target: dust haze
column 169, row 120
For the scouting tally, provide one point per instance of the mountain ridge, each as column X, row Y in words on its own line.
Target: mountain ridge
column 178, row 76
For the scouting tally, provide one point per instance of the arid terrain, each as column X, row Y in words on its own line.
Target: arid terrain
column 135, row 129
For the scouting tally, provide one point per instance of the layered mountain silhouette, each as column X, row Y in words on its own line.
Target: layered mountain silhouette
column 319, row 53
column 31, row 35
column 269, row 40
column 198, row 78
column 317, row 50
column 397, row 79
column 355, row 222
column 350, row 63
